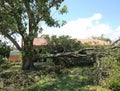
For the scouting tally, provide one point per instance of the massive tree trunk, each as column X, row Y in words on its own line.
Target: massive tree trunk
column 27, row 62
column 28, row 55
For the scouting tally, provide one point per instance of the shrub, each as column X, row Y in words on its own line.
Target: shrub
column 111, row 66
column 4, row 50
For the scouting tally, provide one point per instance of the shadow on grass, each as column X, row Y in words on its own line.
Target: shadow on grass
column 60, row 83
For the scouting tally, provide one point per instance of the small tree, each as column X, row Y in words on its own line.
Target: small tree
column 22, row 17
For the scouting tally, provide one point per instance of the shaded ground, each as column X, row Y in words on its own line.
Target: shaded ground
column 47, row 78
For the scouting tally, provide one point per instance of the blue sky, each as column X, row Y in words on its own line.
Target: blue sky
column 110, row 10
column 87, row 18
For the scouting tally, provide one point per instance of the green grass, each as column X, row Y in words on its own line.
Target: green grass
column 73, row 81
column 61, row 82
column 69, row 80
column 93, row 88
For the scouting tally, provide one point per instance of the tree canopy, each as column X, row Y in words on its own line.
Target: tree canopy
column 23, row 16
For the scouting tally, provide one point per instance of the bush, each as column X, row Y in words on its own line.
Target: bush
column 111, row 66
column 1, row 60
column 4, row 50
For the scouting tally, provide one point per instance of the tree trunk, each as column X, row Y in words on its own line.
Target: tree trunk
column 28, row 56
column 28, row 62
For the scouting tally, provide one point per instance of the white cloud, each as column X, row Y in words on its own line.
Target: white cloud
column 115, row 34
column 96, row 16
column 85, row 28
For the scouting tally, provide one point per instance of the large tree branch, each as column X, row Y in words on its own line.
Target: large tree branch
column 20, row 27
column 86, row 52
column 67, row 54
column 12, row 40
column 75, row 54
column 12, row 12
column 32, row 22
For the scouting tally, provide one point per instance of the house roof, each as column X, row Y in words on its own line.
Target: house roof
column 39, row 41
column 94, row 41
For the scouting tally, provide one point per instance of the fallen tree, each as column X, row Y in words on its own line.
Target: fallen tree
column 94, row 56
column 88, row 55
column 87, row 52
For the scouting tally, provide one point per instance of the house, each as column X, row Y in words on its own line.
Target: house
column 15, row 54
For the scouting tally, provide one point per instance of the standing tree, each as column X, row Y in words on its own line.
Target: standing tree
column 22, row 17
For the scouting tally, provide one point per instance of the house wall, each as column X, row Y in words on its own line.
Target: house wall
column 14, row 58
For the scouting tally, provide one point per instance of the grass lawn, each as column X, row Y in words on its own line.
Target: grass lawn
column 12, row 78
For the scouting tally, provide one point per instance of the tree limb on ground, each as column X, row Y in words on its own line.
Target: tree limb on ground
column 86, row 52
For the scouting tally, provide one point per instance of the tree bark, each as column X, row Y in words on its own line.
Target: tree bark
column 28, row 55
column 28, row 62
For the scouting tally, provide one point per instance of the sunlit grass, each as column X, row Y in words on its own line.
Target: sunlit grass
column 69, row 80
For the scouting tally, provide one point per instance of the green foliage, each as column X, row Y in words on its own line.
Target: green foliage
column 4, row 51
column 114, row 83
column 64, row 9
column 23, row 17
column 1, row 59
column 110, row 70
column 67, row 44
